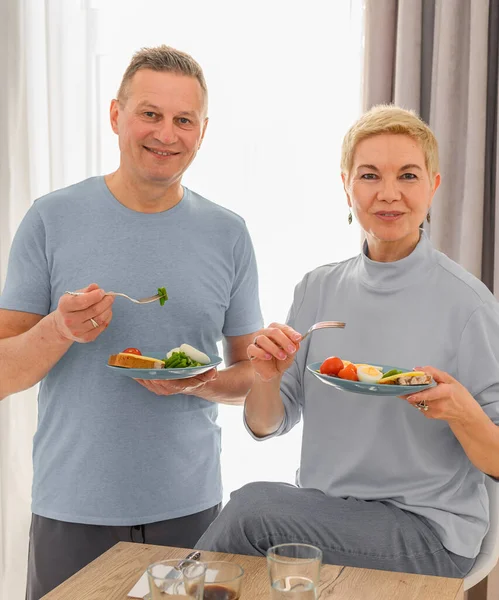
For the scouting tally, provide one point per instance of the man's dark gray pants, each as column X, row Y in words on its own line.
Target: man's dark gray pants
column 58, row 549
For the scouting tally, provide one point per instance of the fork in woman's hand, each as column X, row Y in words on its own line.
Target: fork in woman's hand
column 323, row 325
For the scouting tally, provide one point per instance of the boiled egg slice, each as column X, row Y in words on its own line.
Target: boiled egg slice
column 369, row 374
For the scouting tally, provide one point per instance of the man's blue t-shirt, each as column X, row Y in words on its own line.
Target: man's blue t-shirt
column 107, row 451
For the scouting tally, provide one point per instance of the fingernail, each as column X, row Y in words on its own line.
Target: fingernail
column 410, row 398
column 268, row 356
column 281, row 355
column 291, row 349
column 297, row 336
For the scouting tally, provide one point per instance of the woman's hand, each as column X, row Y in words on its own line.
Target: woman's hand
column 273, row 350
column 449, row 400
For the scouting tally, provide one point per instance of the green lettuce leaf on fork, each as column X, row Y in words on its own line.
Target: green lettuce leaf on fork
column 163, row 294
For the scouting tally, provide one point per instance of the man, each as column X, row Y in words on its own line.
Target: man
column 116, row 459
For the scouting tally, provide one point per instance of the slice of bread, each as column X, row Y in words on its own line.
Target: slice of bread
column 134, row 361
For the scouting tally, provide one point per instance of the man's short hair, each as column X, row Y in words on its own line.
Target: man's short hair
column 163, row 58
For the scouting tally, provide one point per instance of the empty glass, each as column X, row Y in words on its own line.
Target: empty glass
column 167, row 582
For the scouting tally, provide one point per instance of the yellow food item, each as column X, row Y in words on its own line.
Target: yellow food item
column 133, row 361
column 366, row 365
column 408, row 378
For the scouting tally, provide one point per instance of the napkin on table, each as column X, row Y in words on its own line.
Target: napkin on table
column 141, row 588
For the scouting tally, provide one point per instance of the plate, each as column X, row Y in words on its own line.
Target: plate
column 165, row 373
column 371, row 389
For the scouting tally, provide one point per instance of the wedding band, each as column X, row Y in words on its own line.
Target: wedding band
column 94, row 323
column 255, row 343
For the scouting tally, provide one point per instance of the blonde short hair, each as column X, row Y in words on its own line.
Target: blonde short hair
column 387, row 118
column 163, row 58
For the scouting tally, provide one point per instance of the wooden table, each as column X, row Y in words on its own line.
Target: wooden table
column 113, row 575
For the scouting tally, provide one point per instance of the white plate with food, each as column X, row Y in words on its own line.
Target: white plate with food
column 179, row 363
column 374, row 380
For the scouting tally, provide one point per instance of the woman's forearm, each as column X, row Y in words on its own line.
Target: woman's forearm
column 479, row 437
column 263, row 408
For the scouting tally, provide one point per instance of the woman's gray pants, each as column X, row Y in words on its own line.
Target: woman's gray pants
column 351, row 532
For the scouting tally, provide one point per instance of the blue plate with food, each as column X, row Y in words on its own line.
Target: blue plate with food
column 374, row 380
column 179, row 363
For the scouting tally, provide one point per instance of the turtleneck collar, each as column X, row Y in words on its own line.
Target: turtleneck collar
column 401, row 273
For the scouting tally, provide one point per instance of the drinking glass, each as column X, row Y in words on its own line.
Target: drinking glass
column 167, row 581
column 223, row 580
column 294, row 571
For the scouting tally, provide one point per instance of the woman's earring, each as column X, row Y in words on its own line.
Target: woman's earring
column 428, row 218
column 350, row 218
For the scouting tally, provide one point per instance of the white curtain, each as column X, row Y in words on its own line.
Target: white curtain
column 42, row 147
column 18, row 414
column 284, row 81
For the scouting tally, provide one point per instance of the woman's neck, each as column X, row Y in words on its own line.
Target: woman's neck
column 382, row 251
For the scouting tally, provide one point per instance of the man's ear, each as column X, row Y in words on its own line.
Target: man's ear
column 205, row 125
column 114, row 111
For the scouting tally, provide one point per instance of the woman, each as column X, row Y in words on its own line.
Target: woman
column 380, row 485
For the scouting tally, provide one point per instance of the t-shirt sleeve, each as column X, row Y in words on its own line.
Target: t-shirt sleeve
column 243, row 315
column 478, row 358
column 27, row 285
column 292, row 380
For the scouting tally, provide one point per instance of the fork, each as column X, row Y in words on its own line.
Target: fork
column 324, row 325
column 140, row 301
column 177, row 571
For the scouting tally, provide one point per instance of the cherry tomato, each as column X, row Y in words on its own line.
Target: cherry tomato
column 331, row 366
column 132, row 351
column 349, row 372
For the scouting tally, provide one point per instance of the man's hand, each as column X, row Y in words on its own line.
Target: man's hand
column 74, row 314
column 168, row 387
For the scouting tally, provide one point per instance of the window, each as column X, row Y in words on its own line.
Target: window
column 284, row 86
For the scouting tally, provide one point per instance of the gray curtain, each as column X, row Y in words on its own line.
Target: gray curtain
column 440, row 58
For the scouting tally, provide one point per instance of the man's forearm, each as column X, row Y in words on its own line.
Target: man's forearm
column 231, row 385
column 25, row 359
column 264, row 409
column 479, row 437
